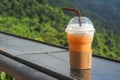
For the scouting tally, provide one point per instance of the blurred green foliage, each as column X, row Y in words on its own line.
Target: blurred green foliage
column 105, row 12
column 33, row 19
column 4, row 76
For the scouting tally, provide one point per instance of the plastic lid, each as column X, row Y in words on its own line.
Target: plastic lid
column 74, row 26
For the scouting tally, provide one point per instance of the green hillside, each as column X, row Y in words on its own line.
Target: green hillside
column 34, row 19
column 107, row 12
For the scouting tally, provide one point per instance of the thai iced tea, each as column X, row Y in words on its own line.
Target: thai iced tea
column 80, row 42
column 80, row 31
column 80, row 37
column 80, row 50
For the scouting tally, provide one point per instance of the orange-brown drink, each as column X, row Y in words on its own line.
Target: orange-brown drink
column 80, row 41
column 80, row 51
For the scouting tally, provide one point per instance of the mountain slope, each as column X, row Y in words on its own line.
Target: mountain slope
column 34, row 19
column 103, row 13
column 108, row 10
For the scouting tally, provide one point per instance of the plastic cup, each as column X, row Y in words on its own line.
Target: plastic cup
column 80, row 59
column 80, row 40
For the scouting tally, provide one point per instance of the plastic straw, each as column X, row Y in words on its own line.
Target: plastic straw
column 74, row 10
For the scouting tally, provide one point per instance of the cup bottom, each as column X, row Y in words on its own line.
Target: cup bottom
column 80, row 59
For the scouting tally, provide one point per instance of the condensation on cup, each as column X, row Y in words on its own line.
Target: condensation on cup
column 80, row 39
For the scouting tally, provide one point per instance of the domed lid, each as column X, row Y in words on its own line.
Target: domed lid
column 75, row 27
